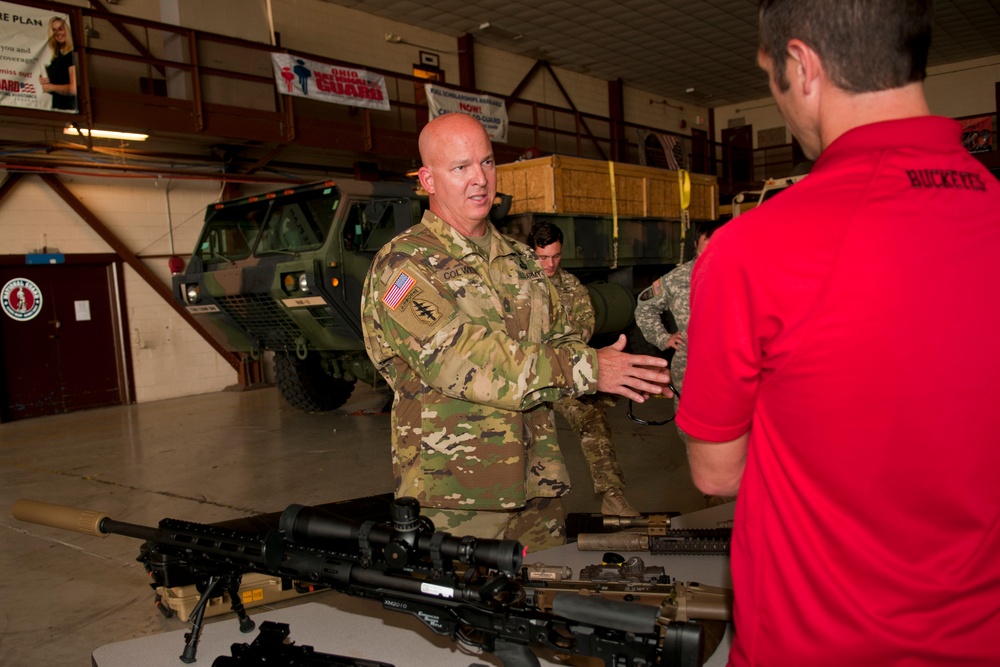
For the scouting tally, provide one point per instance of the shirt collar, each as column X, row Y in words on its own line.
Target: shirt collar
column 931, row 132
column 460, row 245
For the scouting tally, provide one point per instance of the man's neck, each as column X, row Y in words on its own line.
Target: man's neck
column 471, row 229
column 846, row 111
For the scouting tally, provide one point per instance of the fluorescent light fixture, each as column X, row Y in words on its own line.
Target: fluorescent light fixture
column 104, row 134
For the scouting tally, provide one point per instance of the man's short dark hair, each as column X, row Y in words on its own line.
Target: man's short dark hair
column 543, row 234
column 865, row 45
column 706, row 227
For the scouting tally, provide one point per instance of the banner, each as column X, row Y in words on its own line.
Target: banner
column 489, row 111
column 37, row 62
column 301, row 77
column 977, row 134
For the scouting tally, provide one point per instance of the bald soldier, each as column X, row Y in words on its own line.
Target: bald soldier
column 471, row 336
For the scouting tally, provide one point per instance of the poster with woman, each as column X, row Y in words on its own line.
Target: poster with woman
column 37, row 60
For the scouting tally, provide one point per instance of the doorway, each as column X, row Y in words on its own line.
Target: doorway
column 737, row 153
column 63, row 342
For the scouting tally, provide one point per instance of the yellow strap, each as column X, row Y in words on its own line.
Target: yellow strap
column 614, row 216
column 684, row 181
column 684, row 184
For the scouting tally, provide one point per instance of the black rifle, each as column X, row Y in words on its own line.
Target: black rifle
column 597, row 532
column 461, row 587
column 270, row 649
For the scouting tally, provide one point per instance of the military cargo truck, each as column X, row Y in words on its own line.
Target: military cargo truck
column 283, row 272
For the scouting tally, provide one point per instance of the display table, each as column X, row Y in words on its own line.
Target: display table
column 334, row 623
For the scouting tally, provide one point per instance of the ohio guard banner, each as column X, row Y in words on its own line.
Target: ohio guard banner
column 37, row 67
column 490, row 111
column 301, row 77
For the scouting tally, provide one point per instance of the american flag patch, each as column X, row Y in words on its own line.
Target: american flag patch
column 400, row 288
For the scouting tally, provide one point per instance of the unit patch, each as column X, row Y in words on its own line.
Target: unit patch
column 426, row 312
column 21, row 299
column 656, row 289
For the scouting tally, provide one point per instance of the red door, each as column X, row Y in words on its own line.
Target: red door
column 61, row 343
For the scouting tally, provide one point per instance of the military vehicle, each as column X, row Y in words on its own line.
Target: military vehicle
column 748, row 199
column 283, row 272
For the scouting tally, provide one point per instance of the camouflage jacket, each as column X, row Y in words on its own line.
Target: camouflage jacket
column 670, row 292
column 473, row 347
column 576, row 300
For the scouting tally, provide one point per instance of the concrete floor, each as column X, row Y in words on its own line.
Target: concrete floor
column 210, row 458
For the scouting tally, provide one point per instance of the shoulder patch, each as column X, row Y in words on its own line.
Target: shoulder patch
column 425, row 311
column 422, row 313
column 656, row 289
column 401, row 285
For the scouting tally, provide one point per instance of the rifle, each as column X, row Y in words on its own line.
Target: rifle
column 630, row 581
column 596, row 532
column 406, row 565
column 271, row 649
column 616, row 578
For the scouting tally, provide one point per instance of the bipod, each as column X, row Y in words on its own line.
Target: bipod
column 232, row 585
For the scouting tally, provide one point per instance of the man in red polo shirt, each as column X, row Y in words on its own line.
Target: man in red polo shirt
column 843, row 362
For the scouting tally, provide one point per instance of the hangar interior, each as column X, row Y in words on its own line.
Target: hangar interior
column 147, row 417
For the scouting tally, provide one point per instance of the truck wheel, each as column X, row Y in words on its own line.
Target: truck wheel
column 306, row 386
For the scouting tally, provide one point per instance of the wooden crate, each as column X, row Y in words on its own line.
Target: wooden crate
column 571, row 185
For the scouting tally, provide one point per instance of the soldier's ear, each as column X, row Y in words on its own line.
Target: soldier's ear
column 426, row 177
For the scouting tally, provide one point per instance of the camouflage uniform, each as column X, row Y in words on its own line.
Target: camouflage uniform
column 585, row 414
column 474, row 345
column 670, row 292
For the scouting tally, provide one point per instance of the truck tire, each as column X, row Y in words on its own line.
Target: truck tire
column 306, row 386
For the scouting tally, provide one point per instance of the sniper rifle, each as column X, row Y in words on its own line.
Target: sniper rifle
column 461, row 587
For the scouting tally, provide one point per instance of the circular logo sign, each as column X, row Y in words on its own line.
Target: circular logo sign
column 21, row 299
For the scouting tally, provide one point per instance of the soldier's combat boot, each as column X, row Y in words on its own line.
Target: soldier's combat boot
column 614, row 504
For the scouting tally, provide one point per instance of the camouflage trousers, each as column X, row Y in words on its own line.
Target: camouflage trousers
column 590, row 422
column 540, row 525
column 677, row 367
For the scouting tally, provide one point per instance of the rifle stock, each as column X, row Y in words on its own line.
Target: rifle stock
column 461, row 587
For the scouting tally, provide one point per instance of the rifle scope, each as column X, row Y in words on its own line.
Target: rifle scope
column 408, row 535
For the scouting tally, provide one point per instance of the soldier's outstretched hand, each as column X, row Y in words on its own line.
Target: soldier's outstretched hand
column 634, row 376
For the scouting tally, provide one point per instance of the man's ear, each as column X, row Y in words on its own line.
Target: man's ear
column 805, row 66
column 426, row 178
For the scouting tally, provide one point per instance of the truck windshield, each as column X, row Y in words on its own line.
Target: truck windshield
column 283, row 224
column 298, row 222
column 230, row 232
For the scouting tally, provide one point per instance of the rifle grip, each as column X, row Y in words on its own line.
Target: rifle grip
column 87, row 522
column 625, row 541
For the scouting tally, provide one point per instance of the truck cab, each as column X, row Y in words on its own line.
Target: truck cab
column 284, row 272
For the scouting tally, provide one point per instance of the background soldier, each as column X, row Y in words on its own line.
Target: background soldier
column 585, row 414
column 672, row 293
